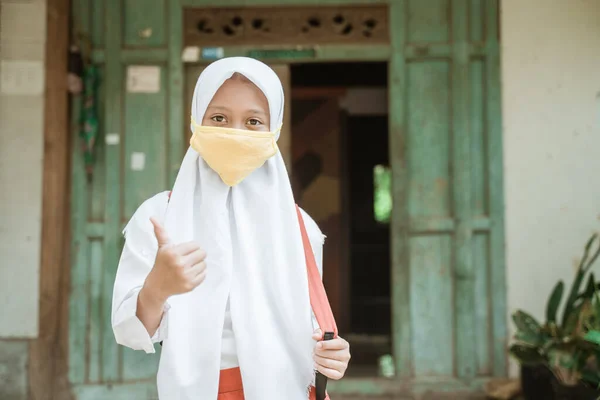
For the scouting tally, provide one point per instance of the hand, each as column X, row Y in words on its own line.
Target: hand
column 177, row 269
column 331, row 356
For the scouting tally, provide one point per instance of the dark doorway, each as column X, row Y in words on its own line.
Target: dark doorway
column 341, row 176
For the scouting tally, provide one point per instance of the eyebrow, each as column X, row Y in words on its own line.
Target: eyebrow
column 259, row 112
column 218, row 108
column 223, row 108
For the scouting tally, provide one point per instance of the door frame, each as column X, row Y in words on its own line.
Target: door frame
column 48, row 353
column 398, row 53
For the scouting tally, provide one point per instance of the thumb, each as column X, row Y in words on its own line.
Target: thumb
column 317, row 335
column 160, row 233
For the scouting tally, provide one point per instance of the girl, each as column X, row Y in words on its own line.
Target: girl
column 216, row 270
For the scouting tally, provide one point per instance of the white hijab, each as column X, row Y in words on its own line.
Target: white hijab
column 255, row 258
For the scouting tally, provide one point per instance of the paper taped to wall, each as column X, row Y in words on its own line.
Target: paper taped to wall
column 143, row 79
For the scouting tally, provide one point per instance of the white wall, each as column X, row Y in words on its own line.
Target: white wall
column 551, row 116
column 22, row 48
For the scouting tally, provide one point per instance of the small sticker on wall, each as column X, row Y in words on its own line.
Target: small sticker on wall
column 212, row 53
column 143, row 79
column 138, row 161
column 112, row 139
column 191, row 54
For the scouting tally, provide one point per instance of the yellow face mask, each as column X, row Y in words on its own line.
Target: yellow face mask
column 233, row 153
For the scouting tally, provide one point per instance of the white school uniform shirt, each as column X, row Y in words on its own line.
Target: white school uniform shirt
column 129, row 330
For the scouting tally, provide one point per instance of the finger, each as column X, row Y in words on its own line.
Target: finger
column 330, row 373
column 196, row 269
column 184, row 249
column 198, row 279
column 330, row 364
column 338, row 355
column 194, row 258
column 334, row 344
column 161, row 234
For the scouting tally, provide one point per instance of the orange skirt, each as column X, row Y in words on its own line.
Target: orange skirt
column 230, row 386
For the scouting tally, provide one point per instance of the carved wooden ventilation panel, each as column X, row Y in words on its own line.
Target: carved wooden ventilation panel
column 285, row 26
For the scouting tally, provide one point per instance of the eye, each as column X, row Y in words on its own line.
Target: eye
column 254, row 122
column 219, row 119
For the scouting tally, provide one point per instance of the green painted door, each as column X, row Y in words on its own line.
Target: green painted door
column 447, row 229
column 132, row 165
column 448, row 288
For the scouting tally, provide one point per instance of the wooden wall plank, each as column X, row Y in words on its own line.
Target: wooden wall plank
column 47, row 359
column 496, row 189
column 479, row 154
column 112, row 162
column 176, row 90
column 145, row 133
column 476, row 20
column 144, row 23
column 145, row 136
column 285, row 137
column 464, row 293
column 95, row 229
column 97, row 27
column 78, row 305
column 431, row 305
column 429, row 136
column 96, row 322
column 401, row 320
column 483, row 327
column 429, row 140
column 428, row 22
column 479, row 209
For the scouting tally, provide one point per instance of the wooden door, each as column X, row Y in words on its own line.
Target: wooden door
column 131, row 167
column 132, row 164
column 447, row 226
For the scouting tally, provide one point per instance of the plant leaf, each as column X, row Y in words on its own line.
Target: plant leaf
column 526, row 355
column 554, row 301
column 526, row 322
column 585, row 264
column 590, row 288
column 528, row 338
column 572, row 322
column 593, row 336
column 529, row 331
column 596, row 304
column 573, row 296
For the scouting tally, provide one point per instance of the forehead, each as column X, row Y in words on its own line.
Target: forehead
column 239, row 91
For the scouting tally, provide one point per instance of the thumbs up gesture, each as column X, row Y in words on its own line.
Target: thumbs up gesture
column 178, row 268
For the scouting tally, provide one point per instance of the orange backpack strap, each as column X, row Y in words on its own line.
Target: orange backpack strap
column 318, row 296
column 318, row 301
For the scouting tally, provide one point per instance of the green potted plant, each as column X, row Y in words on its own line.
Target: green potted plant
column 559, row 359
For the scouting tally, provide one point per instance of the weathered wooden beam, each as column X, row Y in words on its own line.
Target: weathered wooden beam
column 464, row 286
column 399, row 227
column 113, row 118
column 176, row 90
column 48, row 353
column 496, row 188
